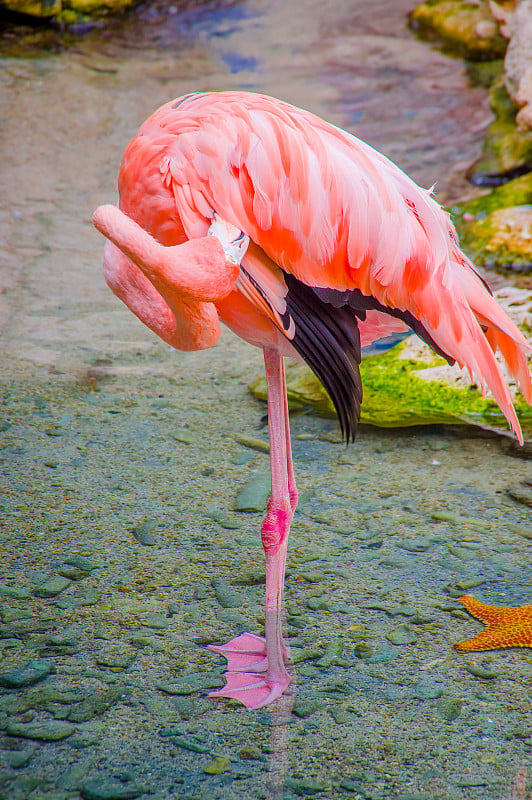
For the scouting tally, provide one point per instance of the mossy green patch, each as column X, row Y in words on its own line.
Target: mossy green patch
column 396, row 396
column 466, row 29
column 496, row 230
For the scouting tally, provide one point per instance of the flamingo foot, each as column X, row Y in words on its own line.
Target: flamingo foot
column 248, row 678
column 244, row 653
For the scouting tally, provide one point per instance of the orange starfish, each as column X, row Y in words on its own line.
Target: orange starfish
column 507, row 626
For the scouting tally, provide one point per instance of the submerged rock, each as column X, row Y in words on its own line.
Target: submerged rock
column 27, row 674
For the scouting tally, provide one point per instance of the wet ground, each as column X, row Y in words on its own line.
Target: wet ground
column 121, row 465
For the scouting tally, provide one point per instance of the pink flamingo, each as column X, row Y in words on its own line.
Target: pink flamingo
column 308, row 243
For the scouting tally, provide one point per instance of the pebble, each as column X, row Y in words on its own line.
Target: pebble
column 81, row 562
column 35, row 698
column 416, row 544
column 19, row 758
column 195, row 682
column 26, row 675
column 252, row 443
column 48, row 731
column 449, row 708
column 254, row 495
column 217, row 765
column 184, row 436
column 225, row 521
column 143, row 533
column 481, row 672
column 305, row 786
column 52, row 587
column 427, row 690
column 305, row 708
column 95, row 704
column 401, row 635
column 318, row 604
column 116, row 659
column 341, row 715
column 101, row 789
column 249, row 752
column 73, row 573
column 225, row 594
column 332, row 650
column 156, row 621
column 13, row 593
column 521, row 492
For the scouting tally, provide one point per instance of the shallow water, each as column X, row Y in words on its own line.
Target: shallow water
column 104, row 428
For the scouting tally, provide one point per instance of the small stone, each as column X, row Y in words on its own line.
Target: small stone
column 225, row 594
column 81, row 562
column 304, row 708
column 333, row 649
column 522, row 492
column 318, row 604
column 218, row 764
column 253, row 444
column 305, row 786
column 341, row 715
column 249, row 752
column 52, row 587
column 28, row 674
column 254, row 495
column 49, row 731
column 101, row 789
column 402, row 635
column 363, row 650
column 95, row 704
column 73, row 573
column 156, row 621
column 19, row 758
column 415, row 545
column 13, row 592
column 481, row 672
column 185, row 436
column 116, row 659
column 143, row 533
column 426, row 690
column 195, row 682
column 225, row 521
column 449, row 708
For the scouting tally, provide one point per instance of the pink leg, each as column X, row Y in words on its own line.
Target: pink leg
column 256, row 672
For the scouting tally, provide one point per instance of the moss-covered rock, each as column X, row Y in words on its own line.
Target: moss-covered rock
column 408, row 385
column 466, row 29
column 507, row 150
column 66, row 10
column 496, row 230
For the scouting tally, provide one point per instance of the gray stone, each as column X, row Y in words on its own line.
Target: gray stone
column 51, row 730
column 102, row 789
column 254, row 495
column 27, row 674
column 52, row 587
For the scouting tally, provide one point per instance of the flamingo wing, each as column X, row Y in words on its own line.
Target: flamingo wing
column 340, row 232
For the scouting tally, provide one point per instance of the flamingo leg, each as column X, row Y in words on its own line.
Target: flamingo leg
column 256, row 667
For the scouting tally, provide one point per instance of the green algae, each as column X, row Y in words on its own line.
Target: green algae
column 466, row 29
column 496, row 230
column 396, row 396
column 67, row 11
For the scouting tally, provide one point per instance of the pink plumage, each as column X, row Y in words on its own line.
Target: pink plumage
column 306, row 242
